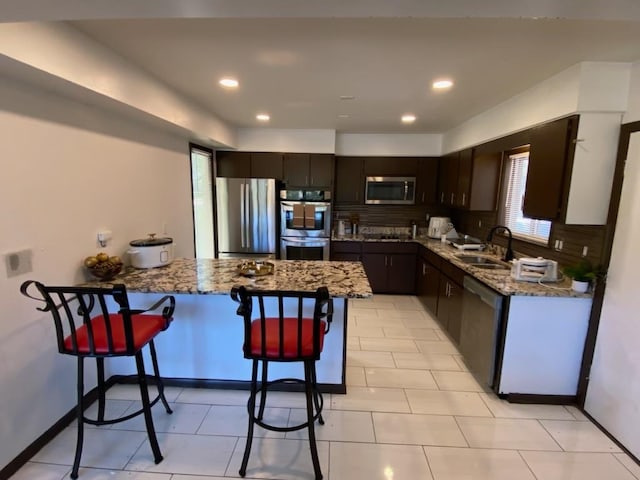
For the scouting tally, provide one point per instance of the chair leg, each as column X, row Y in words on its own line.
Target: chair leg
column 251, row 409
column 317, row 396
column 101, row 389
column 148, row 419
column 263, row 391
column 309, row 392
column 79, row 418
column 159, row 382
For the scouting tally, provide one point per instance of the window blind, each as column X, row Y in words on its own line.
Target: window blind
column 536, row 230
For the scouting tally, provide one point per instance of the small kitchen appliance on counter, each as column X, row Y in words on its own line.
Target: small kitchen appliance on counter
column 535, row 270
column 439, row 226
column 467, row 242
column 151, row 252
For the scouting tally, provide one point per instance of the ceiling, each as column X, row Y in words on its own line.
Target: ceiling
column 296, row 66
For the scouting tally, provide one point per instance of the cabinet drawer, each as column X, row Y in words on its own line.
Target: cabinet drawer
column 346, row 247
column 454, row 273
column 434, row 259
column 390, row 247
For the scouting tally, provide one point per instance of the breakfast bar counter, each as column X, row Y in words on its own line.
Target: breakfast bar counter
column 203, row 345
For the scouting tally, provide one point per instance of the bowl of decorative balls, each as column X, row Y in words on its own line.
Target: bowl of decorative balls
column 103, row 266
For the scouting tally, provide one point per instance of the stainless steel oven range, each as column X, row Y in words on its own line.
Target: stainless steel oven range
column 305, row 224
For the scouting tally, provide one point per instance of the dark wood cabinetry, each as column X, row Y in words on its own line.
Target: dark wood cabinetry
column 427, row 181
column 470, row 181
column 550, row 160
column 390, row 267
column 450, row 299
column 391, row 166
column 346, row 251
column 349, row 185
column 308, row 170
column 428, row 279
column 248, row 164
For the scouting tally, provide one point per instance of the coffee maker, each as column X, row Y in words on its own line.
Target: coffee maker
column 439, row 226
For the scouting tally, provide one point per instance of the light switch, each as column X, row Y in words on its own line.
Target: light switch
column 18, row 263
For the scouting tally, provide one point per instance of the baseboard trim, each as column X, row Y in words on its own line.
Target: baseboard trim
column 540, row 399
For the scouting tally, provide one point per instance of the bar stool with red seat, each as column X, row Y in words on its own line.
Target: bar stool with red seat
column 282, row 332
column 85, row 328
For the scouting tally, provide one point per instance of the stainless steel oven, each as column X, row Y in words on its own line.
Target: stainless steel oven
column 310, row 216
column 304, row 248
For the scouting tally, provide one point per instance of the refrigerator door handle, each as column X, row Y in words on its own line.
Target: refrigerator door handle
column 242, row 216
column 248, row 214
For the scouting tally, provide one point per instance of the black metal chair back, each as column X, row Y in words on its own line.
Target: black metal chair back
column 97, row 322
column 287, row 335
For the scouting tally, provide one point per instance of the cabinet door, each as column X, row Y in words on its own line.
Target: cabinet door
column 296, row 169
column 375, row 266
column 421, row 279
column 463, row 184
column 448, row 185
column 454, row 320
column 432, row 288
column 401, row 276
column 427, row 181
column 443, row 302
column 266, row 165
column 233, row 164
column 548, row 158
column 400, row 166
column 485, row 182
column 321, row 170
column 349, row 185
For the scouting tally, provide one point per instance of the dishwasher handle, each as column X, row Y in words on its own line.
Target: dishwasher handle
column 486, row 294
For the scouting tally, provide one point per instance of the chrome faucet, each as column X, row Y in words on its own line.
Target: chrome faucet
column 508, row 254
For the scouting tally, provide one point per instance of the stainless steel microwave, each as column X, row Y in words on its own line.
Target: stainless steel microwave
column 390, row 190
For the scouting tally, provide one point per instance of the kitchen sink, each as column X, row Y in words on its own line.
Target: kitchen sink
column 482, row 262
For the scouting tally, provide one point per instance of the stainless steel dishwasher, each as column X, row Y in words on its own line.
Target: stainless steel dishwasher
column 480, row 327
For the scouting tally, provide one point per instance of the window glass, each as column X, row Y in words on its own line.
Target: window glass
column 521, row 226
column 202, row 193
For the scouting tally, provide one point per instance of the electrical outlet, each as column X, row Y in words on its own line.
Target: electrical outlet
column 18, row 263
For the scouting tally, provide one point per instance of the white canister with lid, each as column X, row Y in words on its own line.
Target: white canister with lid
column 151, row 252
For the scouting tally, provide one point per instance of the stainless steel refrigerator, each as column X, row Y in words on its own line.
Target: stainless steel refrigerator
column 246, row 217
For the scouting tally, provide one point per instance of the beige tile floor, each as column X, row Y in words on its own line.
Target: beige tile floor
column 412, row 411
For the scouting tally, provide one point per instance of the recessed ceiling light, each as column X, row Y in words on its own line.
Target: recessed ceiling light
column 347, row 97
column 408, row 118
column 442, row 84
column 229, row 82
column 263, row 117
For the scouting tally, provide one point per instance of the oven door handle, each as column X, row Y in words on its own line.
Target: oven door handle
column 305, row 240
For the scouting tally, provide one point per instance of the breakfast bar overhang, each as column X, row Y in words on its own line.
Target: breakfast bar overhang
column 203, row 346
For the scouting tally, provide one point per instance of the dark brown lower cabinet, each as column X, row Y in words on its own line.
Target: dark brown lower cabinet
column 390, row 267
column 450, row 300
column 346, row 251
column 427, row 285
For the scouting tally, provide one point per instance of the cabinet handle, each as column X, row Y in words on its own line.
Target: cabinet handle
column 452, row 195
column 311, row 183
column 391, row 261
column 306, row 179
column 385, row 261
column 463, row 197
column 424, row 269
column 422, row 197
column 441, row 197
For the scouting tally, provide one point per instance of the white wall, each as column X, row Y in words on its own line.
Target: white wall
column 67, row 171
column 633, row 110
column 286, row 140
column 358, row 144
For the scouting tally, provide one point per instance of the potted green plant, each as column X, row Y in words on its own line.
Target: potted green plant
column 582, row 274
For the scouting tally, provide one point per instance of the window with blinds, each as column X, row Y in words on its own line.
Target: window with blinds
column 521, row 226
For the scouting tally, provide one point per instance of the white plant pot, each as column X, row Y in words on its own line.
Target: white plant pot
column 580, row 287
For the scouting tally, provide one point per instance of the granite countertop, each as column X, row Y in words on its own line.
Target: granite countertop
column 499, row 280
column 218, row 276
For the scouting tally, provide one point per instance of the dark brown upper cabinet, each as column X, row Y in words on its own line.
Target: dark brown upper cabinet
column 248, row 164
column 390, row 166
column 308, row 170
column 550, row 161
column 349, row 181
column 427, row 181
column 469, row 181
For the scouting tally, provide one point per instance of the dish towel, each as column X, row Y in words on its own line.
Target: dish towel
column 309, row 216
column 298, row 216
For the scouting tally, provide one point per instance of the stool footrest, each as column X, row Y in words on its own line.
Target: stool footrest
column 274, row 428
column 91, row 421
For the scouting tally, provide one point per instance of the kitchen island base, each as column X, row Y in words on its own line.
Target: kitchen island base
column 204, row 346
